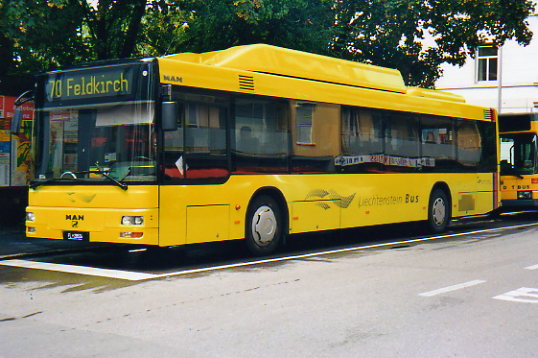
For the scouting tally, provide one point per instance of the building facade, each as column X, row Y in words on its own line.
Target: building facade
column 504, row 78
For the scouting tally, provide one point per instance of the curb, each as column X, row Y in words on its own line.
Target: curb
column 59, row 251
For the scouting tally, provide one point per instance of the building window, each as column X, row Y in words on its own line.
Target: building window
column 488, row 60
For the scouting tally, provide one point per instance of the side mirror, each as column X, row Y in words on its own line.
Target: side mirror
column 169, row 115
column 17, row 116
column 16, row 121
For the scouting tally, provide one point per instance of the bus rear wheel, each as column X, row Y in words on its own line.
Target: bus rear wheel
column 264, row 228
column 438, row 211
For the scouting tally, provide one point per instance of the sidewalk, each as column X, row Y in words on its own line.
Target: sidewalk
column 14, row 244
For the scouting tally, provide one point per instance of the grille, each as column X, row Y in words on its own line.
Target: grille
column 488, row 114
column 246, row 83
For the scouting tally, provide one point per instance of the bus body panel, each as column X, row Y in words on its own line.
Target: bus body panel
column 204, row 213
column 511, row 185
column 226, row 79
column 97, row 210
column 95, row 196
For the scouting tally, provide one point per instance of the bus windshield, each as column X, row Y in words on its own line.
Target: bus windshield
column 518, row 154
column 104, row 136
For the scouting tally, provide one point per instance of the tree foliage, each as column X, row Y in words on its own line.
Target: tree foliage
column 41, row 34
column 396, row 33
column 298, row 24
column 38, row 34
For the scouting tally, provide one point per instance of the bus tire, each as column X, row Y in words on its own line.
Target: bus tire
column 264, row 226
column 438, row 211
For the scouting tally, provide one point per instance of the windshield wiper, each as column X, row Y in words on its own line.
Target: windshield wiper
column 105, row 174
column 68, row 175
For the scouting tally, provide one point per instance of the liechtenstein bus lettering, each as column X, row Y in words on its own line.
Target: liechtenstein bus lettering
column 264, row 142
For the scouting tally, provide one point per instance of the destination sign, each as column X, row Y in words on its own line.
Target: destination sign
column 89, row 83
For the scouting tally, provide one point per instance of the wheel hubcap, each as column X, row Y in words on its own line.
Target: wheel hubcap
column 264, row 225
column 439, row 211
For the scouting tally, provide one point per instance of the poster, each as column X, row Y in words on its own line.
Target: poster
column 15, row 160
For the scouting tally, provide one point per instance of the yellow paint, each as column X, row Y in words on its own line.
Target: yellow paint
column 101, row 209
column 512, row 184
column 271, row 59
column 201, row 213
column 207, row 223
column 315, row 215
column 220, row 70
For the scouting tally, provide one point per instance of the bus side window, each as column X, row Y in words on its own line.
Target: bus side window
column 438, row 144
column 316, row 136
column 197, row 148
column 402, row 145
column 362, row 140
column 469, row 144
column 261, row 136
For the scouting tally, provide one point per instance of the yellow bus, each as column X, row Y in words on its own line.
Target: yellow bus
column 519, row 164
column 253, row 142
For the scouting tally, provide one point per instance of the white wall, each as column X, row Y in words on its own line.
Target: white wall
column 518, row 86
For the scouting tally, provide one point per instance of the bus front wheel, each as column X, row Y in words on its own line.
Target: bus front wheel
column 438, row 211
column 264, row 229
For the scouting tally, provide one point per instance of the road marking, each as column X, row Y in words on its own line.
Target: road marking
column 81, row 270
column 452, row 288
column 523, row 294
column 141, row 276
column 533, row 267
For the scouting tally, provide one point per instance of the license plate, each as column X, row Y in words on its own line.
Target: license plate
column 76, row 236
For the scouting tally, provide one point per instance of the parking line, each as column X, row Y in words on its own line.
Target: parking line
column 451, row 288
column 81, row 270
column 533, row 267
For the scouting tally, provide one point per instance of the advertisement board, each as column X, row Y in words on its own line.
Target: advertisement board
column 15, row 168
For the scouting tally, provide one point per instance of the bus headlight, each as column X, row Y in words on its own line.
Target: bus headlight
column 30, row 216
column 524, row 195
column 132, row 220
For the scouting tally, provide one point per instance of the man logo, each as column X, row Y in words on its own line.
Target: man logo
column 74, row 217
column 176, row 79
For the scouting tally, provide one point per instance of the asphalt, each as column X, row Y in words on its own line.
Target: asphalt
column 14, row 245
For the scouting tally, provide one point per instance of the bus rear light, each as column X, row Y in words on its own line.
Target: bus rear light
column 31, row 229
column 30, row 216
column 534, row 180
column 131, row 235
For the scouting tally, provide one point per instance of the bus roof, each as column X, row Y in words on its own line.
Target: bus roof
column 285, row 62
column 268, row 59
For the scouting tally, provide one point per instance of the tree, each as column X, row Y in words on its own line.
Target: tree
column 112, row 25
column 37, row 35
column 217, row 24
column 393, row 33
